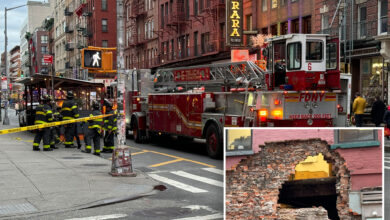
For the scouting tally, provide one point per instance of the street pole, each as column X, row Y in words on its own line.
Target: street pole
column 120, row 77
column 6, row 119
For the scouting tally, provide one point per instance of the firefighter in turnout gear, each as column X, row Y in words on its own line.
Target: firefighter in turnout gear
column 69, row 111
column 43, row 115
column 110, row 128
column 94, row 131
column 55, row 131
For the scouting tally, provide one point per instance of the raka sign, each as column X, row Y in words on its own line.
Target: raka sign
column 234, row 21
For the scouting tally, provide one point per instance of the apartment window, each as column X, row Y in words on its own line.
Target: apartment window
column 105, row 43
column 248, row 22
column 170, row 6
column 146, row 30
column 152, row 30
column 205, row 42
column 104, row 5
column 44, row 50
column 196, row 43
column 173, row 49
column 196, row 3
column 264, row 5
column 166, row 11
column 324, row 22
column 382, row 16
column 187, row 5
column 201, row 5
column 162, row 16
column 44, row 39
column 104, row 25
column 362, row 18
column 274, row 4
column 208, row 3
column 187, row 45
column 350, row 138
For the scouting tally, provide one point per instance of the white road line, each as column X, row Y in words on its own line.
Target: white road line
column 177, row 184
column 206, row 217
column 387, row 168
column 213, row 170
column 100, row 217
column 198, row 178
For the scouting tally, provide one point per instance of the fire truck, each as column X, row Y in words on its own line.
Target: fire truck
column 298, row 86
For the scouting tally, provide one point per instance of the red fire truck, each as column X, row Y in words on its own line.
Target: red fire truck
column 298, row 87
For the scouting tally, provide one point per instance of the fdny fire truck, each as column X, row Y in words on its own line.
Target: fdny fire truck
column 299, row 86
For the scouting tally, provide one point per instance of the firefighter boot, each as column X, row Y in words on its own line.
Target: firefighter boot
column 36, row 147
column 87, row 149
column 96, row 153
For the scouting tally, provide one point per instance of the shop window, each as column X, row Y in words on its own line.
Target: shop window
column 294, row 56
column 314, row 51
column 238, row 142
column 351, row 138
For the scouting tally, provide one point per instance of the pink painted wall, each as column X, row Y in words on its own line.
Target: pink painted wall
column 364, row 164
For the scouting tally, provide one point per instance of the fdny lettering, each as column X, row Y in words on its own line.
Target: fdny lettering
column 314, row 97
column 312, row 116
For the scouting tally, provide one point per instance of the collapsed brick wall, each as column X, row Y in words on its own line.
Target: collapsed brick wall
column 252, row 187
column 303, row 213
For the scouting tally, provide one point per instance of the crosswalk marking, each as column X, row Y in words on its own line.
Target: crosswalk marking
column 205, row 217
column 101, row 217
column 198, row 178
column 177, row 184
column 214, row 170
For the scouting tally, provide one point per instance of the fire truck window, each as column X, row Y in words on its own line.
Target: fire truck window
column 331, row 56
column 294, row 56
column 314, row 51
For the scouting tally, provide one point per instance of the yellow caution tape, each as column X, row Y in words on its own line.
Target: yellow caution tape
column 51, row 124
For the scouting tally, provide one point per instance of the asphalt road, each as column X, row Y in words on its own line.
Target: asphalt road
column 194, row 183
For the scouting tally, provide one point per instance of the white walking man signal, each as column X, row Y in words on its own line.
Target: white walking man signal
column 96, row 59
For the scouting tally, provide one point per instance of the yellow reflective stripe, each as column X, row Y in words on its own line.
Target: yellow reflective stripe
column 46, row 146
column 97, row 151
column 66, row 109
column 40, row 113
column 76, row 116
column 36, row 144
column 48, row 112
column 115, row 120
column 95, row 126
column 91, row 115
column 112, row 147
column 115, row 128
column 39, row 122
column 68, row 142
column 50, row 119
column 99, row 119
column 105, row 121
column 75, row 106
column 67, row 118
column 88, row 147
column 109, row 127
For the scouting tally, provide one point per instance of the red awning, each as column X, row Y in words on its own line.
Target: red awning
column 79, row 10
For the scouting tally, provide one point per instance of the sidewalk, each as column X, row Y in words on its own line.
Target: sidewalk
column 64, row 179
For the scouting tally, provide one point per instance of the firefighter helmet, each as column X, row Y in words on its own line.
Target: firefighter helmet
column 95, row 105
column 70, row 95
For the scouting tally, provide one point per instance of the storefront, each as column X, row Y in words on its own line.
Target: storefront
column 373, row 79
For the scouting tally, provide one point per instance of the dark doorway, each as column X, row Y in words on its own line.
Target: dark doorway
column 311, row 192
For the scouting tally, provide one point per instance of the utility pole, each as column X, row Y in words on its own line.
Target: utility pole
column 6, row 119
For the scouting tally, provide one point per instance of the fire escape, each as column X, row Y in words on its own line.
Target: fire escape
column 215, row 12
column 176, row 19
column 69, row 46
column 137, row 16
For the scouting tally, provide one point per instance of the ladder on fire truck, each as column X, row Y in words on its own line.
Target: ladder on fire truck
column 232, row 74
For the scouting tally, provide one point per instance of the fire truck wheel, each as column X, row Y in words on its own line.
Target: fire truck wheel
column 136, row 133
column 213, row 142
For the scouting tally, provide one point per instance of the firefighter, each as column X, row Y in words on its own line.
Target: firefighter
column 94, row 131
column 43, row 115
column 55, row 130
column 69, row 111
column 110, row 128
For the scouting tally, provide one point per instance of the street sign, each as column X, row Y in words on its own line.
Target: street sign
column 91, row 59
column 4, row 84
column 47, row 58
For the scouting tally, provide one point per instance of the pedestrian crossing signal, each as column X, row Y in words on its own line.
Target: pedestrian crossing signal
column 91, row 59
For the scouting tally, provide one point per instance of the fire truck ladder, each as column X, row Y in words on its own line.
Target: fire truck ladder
column 232, row 74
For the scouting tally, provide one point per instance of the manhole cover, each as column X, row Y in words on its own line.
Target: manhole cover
column 163, row 212
column 72, row 158
column 95, row 164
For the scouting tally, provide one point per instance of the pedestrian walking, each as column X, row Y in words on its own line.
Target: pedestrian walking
column 43, row 115
column 69, row 111
column 378, row 111
column 110, row 128
column 94, row 131
column 358, row 109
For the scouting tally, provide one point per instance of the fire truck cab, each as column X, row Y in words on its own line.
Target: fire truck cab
column 297, row 87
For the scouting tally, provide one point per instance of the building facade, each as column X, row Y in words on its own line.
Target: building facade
column 40, row 45
column 358, row 25
column 174, row 33
column 36, row 12
column 272, row 160
column 15, row 62
column 59, row 36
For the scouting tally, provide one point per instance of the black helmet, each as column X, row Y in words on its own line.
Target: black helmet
column 95, row 105
column 70, row 95
column 107, row 103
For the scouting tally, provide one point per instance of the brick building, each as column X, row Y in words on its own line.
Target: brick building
column 40, row 47
column 260, row 178
column 170, row 33
column 15, row 62
column 358, row 27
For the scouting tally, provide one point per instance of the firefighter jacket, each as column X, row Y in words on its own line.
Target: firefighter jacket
column 43, row 114
column 69, row 110
column 96, row 123
column 110, row 122
column 56, row 116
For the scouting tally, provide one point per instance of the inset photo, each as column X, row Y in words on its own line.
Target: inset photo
column 304, row 173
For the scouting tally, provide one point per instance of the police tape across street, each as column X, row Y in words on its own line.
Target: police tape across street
column 51, row 124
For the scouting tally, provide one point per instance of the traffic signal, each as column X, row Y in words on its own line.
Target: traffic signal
column 91, row 59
